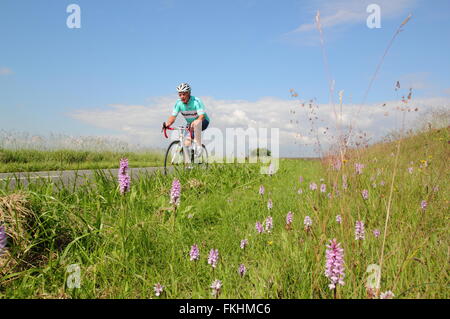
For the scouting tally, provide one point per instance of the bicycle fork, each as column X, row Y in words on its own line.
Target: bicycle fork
column 188, row 153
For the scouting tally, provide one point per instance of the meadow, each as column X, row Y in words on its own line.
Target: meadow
column 23, row 152
column 139, row 244
column 30, row 160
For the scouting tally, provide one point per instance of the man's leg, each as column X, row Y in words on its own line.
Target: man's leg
column 198, row 133
column 187, row 143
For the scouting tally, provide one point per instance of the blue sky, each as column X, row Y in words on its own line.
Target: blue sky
column 133, row 53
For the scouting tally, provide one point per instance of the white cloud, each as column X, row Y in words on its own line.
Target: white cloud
column 343, row 13
column 140, row 124
column 337, row 18
column 5, row 71
column 416, row 81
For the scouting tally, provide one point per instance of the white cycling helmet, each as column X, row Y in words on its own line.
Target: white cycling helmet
column 183, row 87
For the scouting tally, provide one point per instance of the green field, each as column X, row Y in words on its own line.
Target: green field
column 125, row 244
column 29, row 160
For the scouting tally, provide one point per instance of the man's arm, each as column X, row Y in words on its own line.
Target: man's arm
column 199, row 119
column 170, row 120
column 200, row 111
column 176, row 110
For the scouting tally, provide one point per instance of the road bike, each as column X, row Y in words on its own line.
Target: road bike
column 179, row 156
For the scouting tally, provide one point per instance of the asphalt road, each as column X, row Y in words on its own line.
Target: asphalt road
column 67, row 178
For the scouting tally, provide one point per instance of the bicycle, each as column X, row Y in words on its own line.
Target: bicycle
column 177, row 152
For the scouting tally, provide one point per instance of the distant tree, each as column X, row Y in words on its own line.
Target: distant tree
column 261, row 152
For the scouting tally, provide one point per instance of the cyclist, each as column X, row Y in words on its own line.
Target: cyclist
column 193, row 110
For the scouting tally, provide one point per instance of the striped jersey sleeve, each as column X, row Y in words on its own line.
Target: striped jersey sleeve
column 200, row 107
column 176, row 109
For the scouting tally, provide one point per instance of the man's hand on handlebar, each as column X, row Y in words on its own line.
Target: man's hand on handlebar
column 165, row 128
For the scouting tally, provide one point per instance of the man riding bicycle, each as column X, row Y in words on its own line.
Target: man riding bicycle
column 193, row 110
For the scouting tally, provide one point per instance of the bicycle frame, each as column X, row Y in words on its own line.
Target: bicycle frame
column 189, row 158
column 179, row 128
column 181, row 138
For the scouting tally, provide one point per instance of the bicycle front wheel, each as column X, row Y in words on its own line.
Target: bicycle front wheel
column 202, row 160
column 174, row 159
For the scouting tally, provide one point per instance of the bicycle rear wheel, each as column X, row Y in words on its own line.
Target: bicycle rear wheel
column 174, row 158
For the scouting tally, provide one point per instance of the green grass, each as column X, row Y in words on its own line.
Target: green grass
column 126, row 244
column 26, row 160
